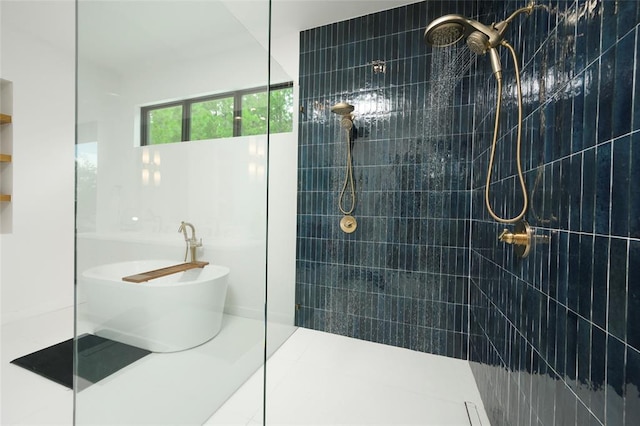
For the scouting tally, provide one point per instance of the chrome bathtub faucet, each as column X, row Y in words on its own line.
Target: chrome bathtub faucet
column 192, row 243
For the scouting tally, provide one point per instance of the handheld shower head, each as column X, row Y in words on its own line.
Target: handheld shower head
column 478, row 42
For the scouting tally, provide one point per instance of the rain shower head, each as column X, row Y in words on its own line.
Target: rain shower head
column 342, row 108
column 449, row 29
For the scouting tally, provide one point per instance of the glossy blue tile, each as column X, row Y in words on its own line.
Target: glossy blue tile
column 575, row 197
column 615, row 381
column 605, row 95
column 585, row 276
column 561, row 243
column 574, row 283
column 602, row 212
column 627, row 16
column 583, row 361
column 588, row 190
column 609, row 17
column 593, row 27
column 616, row 321
column 633, row 295
column 632, row 388
column 623, row 86
column 561, row 340
column 598, row 372
column 621, row 187
column 591, row 77
column 571, row 349
column 636, row 100
column 634, row 197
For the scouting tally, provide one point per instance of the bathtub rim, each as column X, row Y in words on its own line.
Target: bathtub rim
column 212, row 272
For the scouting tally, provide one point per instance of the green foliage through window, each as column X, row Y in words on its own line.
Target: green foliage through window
column 211, row 119
column 240, row 113
column 165, row 125
column 254, row 107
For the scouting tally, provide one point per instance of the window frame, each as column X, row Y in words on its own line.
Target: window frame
column 186, row 110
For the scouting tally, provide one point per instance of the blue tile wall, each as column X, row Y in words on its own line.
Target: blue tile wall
column 553, row 339
column 402, row 277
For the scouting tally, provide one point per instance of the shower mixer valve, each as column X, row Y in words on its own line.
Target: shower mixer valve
column 520, row 238
column 517, row 239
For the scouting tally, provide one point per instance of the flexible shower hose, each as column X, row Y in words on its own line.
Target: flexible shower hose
column 348, row 178
column 525, row 200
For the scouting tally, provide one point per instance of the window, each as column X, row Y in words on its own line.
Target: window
column 165, row 125
column 211, row 119
column 241, row 113
column 254, row 107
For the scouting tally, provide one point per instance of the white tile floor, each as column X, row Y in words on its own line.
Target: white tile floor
column 313, row 379
column 26, row 398
column 317, row 378
column 177, row 388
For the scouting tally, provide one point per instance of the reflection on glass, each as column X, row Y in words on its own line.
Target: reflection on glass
column 172, row 89
column 254, row 112
column 86, row 183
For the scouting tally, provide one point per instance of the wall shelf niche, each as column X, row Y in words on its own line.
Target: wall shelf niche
column 6, row 156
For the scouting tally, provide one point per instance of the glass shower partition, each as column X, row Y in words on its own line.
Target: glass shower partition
column 165, row 178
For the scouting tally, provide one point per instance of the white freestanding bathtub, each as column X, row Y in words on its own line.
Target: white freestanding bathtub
column 167, row 314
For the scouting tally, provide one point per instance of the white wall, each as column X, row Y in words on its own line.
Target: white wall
column 218, row 185
column 36, row 257
column 36, row 261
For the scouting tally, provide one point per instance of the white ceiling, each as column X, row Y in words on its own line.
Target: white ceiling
column 120, row 34
column 297, row 15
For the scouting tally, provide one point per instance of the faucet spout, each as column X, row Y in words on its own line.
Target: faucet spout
column 192, row 243
column 183, row 229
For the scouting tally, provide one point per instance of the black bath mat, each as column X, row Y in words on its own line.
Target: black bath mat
column 97, row 358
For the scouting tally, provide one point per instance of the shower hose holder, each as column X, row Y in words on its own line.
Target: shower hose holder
column 348, row 224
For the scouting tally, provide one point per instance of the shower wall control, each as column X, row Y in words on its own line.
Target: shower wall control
column 523, row 238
